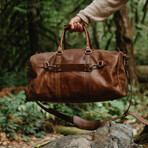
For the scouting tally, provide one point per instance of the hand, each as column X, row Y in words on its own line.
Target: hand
column 76, row 24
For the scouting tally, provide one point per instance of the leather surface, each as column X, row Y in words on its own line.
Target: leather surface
column 77, row 75
column 106, row 83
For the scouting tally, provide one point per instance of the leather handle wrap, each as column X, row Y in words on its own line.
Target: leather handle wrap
column 88, row 43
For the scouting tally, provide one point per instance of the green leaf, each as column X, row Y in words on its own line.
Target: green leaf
column 117, row 104
column 26, row 138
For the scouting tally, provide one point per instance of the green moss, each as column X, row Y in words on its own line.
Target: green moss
column 69, row 130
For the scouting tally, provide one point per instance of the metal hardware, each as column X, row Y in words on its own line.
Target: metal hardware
column 59, row 52
column 100, row 64
column 46, row 65
column 126, row 59
column 88, row 52
column 125, row 56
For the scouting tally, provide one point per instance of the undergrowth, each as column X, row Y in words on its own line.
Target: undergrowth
column 19, row 117
column 12, row 79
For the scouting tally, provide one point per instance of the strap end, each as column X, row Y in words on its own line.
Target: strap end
column 85, row 124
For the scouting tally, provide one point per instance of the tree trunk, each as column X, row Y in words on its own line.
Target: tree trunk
column 32, row 27
column 124, row 40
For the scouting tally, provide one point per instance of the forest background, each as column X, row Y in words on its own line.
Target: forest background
column 36, row 25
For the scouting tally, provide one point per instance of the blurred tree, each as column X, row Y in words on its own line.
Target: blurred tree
column 27, row 26
column 124, row 40
column 33, row 25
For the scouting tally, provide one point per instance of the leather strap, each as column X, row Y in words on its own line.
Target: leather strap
column 64, row 40
column 56, row 113
column 67, row 27
column 92, row 125
column 85, row 124
column 74, row 67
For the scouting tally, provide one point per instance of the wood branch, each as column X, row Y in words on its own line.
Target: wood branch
column 144, row 12
column 7, row 10
column 77, row 8
column 2, row 4
column 108, row 42
column 107, row 23
column 48, row 37
column 44, row 29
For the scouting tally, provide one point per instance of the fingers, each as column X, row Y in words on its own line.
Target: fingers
column 78, row 27
column 71, row 23
column 76, row 24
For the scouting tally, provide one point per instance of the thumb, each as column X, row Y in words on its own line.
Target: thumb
column 71, row 23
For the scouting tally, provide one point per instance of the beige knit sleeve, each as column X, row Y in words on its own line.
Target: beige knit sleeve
column 99, row 10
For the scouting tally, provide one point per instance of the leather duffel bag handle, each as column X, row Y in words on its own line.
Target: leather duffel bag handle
column 89, row 47
column 67, row 27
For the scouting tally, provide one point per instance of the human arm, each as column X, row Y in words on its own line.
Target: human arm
column 97, row 11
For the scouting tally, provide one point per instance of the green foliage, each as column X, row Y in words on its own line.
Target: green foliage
column 29, row 26
column 20, row 116
column 26, row 138
column 138, row 11
column 26, row 118
column 12, row 79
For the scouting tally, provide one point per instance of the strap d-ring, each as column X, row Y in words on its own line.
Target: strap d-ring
column 88, row 52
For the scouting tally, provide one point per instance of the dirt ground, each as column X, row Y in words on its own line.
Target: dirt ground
column 19, row 143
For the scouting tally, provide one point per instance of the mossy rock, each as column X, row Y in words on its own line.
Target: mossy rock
column 69, row 130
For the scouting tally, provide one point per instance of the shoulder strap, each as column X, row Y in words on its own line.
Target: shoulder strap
column 92, row 125
column 85, row 124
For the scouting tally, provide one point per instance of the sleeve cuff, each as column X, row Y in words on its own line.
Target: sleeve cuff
column 83, row 17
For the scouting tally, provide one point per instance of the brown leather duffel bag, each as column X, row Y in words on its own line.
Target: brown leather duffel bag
column 77, row 76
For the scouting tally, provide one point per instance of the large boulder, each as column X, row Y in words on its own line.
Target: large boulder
column 111, row 135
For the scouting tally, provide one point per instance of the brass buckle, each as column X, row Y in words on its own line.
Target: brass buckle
column 46, row 65
column 88, row 52
column 100, row 64
column 61, row 52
